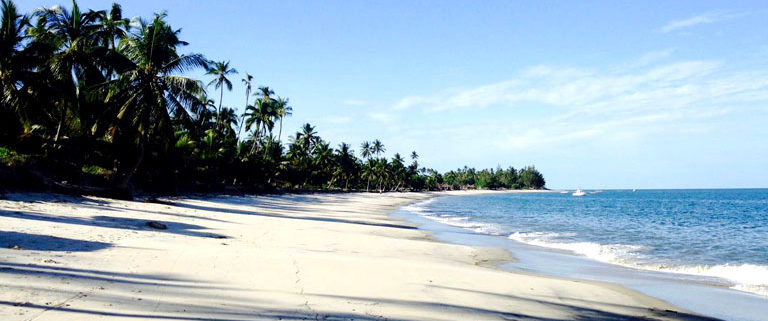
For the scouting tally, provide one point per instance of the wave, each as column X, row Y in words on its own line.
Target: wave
column 610, row 253
column 418, row 208
column 421, row 209
column 743, row 277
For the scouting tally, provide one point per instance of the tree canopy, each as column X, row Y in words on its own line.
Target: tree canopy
column 94, row 100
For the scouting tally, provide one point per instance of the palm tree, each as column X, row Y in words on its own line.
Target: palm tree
column 247, row 81
column 365, row 150
column 220, row 69
column 307, row 137
column 346, row 164
column 266, row 93
column 377, row 147
column 75, row 65
column 150, row 89
column 259, row 114
column 111, row 26
column 281, row 110
column 227, row 118
column 14, row 63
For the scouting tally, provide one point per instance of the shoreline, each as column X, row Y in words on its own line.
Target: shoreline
column 691, row 292
column 341, row 256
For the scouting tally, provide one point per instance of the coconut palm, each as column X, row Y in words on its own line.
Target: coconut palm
column 281, row 110
column 220, row 70
column 346, row 164
column 365, row 150
column 150, row 89
column 266, row 93
column 308, row 138
column 75, row 65
column 15, row 65
column 248, row 82
column 227, row 118
column 259, row 114
column 377, row 147
column 111, row 26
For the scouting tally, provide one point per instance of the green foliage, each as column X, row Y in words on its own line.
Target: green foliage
column 90, row 94
column 530, row 178
column 10, row 157
column 96, row 170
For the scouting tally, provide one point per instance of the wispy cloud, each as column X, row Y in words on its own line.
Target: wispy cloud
column 565, row 104
column 566, row 87
column 699, row 19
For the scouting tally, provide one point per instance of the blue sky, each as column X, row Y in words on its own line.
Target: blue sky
column 595, row 94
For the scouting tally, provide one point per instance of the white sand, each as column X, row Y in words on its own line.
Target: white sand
column 292, row 257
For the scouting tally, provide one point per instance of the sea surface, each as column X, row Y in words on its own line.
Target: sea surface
column 692, row 248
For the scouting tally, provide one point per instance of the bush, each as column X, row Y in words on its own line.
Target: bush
column 10, row 157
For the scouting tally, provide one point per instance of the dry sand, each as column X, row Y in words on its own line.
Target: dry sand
column 289, row 257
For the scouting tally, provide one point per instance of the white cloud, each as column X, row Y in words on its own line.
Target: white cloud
column 570, row 87
column 704, row 18
column 580, row 105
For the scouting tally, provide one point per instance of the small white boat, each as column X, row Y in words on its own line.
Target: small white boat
column 579, row 192
column 564, row 192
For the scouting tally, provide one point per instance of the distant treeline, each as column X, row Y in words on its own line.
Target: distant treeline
column 92, row 100
column 526, row 178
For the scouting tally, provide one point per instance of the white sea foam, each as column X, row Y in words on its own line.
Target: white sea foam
column 418, row 208
column 743, row 277
column 611, row 253
column 464, row 222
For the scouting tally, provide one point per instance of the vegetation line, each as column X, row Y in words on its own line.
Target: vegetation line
column 96, row 102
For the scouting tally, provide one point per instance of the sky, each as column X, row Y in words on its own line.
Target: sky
column 595, row 94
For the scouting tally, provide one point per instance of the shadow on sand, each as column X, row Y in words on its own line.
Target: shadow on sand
column 36, row 242
column 292, row 208
column 115, row 222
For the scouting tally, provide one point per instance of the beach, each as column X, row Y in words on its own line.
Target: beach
column 273, row 257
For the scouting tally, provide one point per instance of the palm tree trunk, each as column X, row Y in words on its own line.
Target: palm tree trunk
column 256, row 138
column 280, row 134
column 122, row 187
column 61, row 124
column 218, row 112
column 242, row 118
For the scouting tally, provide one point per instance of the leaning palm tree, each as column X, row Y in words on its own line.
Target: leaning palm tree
column 150, row 90
column 220, row 69
column 248, row 82
column 281, row 110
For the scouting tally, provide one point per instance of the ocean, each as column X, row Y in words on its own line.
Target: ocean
column 684, row 246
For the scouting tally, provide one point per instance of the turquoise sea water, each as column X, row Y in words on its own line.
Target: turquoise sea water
column 720, row 236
